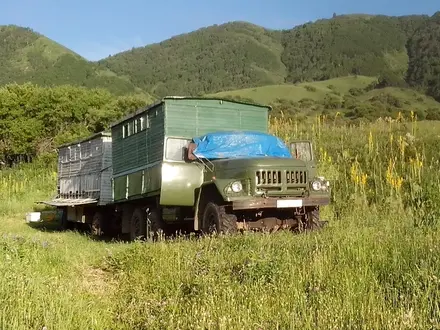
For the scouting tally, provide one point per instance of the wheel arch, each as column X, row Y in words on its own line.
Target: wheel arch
column 208, row 192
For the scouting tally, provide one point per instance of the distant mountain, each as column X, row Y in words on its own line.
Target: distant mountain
column 349, row 44
column 238, row 55
column 242, row 55
column 215, row 58
column 424, row 54
column 28, row 56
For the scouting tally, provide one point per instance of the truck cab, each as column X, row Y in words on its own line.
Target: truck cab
column 254, row 180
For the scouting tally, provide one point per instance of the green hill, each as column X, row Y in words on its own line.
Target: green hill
column 353, row 96
column 215, row 58
column 26, row 56
column 316, row 91
column 241, row 55
column 424, row 51
column 365, row 45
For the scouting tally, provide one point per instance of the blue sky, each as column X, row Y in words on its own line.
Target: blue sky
column 98, row 28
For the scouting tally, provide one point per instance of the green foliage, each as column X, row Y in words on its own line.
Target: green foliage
column 310, row 88
column 424, row 60
column 356, row 91
column 433, row 114
column 356, row 97
column 212, row 59
column 26, row 56
column 33, row 120
column 344, row 45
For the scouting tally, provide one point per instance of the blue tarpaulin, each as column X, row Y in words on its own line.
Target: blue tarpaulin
column 239, row 144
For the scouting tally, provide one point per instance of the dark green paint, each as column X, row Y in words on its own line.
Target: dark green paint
column 134, row 155
column 194, row 117
column 144, row 164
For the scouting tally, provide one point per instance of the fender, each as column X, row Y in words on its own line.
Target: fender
column 208, row 191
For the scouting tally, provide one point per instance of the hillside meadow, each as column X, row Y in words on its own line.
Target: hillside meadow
column 376, row 265
column 355, row 97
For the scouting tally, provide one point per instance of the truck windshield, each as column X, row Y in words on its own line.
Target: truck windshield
column 174, row 148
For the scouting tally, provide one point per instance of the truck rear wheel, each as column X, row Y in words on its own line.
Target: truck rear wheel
column 138, row 224
column 146, row 225
column 155, row 224
column 215, row 219
column 96, row 227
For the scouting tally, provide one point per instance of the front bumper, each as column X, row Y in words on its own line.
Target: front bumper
column 272, row 202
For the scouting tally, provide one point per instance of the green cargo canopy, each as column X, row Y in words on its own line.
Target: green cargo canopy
column 145, row 139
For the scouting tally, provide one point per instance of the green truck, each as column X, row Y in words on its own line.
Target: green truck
column 207, row 164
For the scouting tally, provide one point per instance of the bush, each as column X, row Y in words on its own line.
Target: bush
column 355, row 91
column 433, row 114
column 306, row 103
column 331, row 102
column 310, row 88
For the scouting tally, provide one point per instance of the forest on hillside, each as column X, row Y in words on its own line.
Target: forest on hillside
column 348, row 45
column 400, row 51
column 424, row 55
column 26, row 56
column 240, row 55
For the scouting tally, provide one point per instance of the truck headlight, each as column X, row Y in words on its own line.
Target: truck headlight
column 316, row 185
column 320, row 183
column 236, row 186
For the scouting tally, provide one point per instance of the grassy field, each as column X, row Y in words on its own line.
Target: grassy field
column 376, row 266
column 268, row 94
column 337, row 89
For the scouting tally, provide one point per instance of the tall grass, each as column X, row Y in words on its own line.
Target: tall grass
column 22, row 186
column 388, row 161
column 376, row 266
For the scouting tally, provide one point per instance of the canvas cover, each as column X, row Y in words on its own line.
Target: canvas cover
column 239, row 144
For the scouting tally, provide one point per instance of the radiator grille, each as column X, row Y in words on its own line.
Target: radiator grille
column 268, row 177
column 296, row 177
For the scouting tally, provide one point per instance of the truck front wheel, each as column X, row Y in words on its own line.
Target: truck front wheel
column 313, row 219
column 215, row 219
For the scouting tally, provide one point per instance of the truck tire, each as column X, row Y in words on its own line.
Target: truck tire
column 215, row 219
column 138, row 224
column 313, row 220
column 96, row 227
column 146, row 225
column 155, row 225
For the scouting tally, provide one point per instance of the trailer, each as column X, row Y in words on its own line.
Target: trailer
column 187, row 162
column 84, row 178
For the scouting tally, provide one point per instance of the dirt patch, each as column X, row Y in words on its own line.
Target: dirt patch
column 97, row 281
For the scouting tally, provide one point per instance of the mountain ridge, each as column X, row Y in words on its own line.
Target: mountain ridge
column 225, row 56
column 28, row 56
